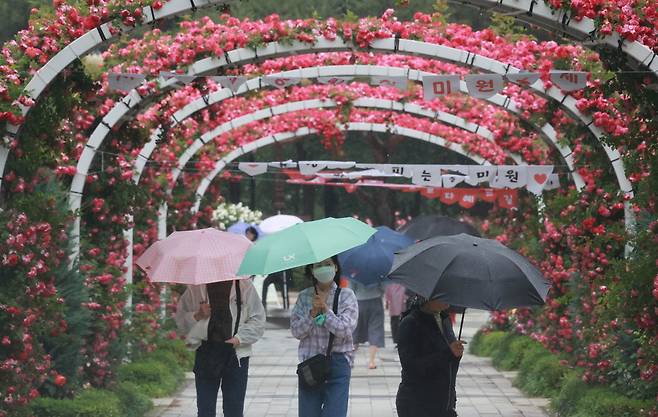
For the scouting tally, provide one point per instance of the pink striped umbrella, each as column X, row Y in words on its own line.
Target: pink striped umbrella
column 195, row 257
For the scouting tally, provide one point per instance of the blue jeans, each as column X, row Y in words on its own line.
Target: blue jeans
column 234, row 386
column 330, row 399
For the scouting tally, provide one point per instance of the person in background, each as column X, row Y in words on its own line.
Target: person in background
column 396, row 297
column 226, row 318
column 370, row 327
column 277, row 278
column 251, row 233
column 428, row 359
column 311, row 321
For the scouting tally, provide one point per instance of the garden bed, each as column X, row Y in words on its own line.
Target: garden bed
column 150, row 375
column 543, row 374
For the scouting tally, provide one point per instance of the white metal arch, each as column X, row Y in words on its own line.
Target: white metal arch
column 401, row 46
column 107, row 31
column 547, row 131
column 560, row 21
column 350, row 127
column 291, row 107
column 75, row 196
column 538, row 12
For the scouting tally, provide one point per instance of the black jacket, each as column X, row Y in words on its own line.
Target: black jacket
column 428, row 365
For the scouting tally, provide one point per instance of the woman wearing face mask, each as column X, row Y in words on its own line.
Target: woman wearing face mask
column 311, row 321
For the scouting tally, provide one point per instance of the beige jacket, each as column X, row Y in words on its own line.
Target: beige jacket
column 252, row 318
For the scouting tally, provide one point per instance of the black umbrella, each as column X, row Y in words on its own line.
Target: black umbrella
column 425, row 227
column 470, row 272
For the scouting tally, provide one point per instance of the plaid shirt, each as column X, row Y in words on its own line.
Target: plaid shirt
column 314, row 339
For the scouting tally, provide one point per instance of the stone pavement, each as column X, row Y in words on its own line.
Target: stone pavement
column 272, row 391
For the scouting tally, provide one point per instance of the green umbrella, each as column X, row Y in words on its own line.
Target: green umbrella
column 303, row 244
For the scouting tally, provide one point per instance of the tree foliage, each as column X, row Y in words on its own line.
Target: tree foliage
column 15, row 14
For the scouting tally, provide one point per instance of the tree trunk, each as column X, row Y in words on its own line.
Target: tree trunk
column 252, row 186
column 330, row 202
column 383, row 201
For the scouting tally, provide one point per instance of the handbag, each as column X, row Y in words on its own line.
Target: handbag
column 198, row 333
column 211, row 357
column 315, row 370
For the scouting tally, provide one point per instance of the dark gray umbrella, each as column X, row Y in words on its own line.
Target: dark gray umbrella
column 425, row 227
column 469, row 272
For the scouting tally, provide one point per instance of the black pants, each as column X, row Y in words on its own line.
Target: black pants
column 234, row 386
column 395, row 328
column 423, row 401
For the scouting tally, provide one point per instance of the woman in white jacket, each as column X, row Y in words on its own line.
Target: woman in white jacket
column 226, row 319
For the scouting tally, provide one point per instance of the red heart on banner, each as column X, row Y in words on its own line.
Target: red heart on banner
column 350, row 188
column 541, row 178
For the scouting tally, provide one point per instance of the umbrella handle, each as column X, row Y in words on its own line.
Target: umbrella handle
column 461, row 326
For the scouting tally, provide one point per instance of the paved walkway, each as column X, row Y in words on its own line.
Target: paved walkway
column 272, row 391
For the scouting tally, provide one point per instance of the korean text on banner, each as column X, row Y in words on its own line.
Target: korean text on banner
column 439, row 85
column 483, row 85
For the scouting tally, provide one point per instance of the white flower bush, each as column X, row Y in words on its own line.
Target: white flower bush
column 226, row 214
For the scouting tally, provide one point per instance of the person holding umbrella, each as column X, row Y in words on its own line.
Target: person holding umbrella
column 220, row 309
column 427, row 357
column 464, row 271
column 234, row 317
column 325, row 315
column 319, row 327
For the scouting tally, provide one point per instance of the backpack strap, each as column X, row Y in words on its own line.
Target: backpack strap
column 238, row 300
column 335, row 308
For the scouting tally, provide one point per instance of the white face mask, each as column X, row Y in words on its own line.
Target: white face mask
column 324, row 274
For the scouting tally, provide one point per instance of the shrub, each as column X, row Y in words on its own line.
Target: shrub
column 134, row 403
column 565, row 403
column 533, row 352
column 184, row 357
column 516, row 350
column 541, row 374
column 502, row 349
column 91, row 403
column 475, row 344
column 531, row 357
column 542, row 378
column 602, row 402
column 487, row 344
column 165, row 357
column 153, row 378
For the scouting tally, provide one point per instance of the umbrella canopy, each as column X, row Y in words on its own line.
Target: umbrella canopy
column 425, row 227
column 471, row 272
column 195, row 257
column 240, row 228
column 278, row 223
column 303, row 244
column 369, row 263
